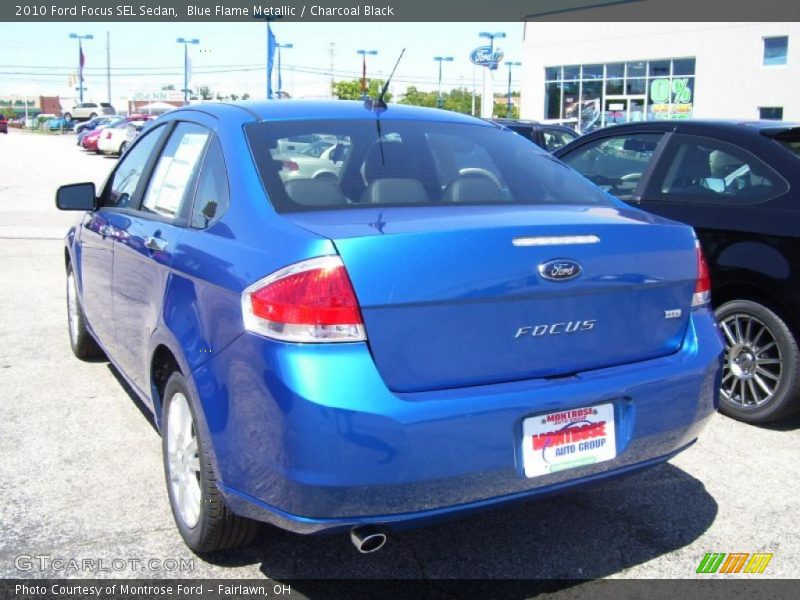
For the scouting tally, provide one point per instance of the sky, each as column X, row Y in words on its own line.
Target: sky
column 37, row 58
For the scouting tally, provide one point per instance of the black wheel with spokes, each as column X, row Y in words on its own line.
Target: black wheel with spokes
column 762, row 362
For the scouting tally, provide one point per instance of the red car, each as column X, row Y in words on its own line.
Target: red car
column 3, row 124
column 89, row 141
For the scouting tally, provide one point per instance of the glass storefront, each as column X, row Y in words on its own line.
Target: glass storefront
column 591, row 96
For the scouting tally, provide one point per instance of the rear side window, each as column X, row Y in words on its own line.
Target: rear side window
column 212, row 196
column 616, row 164
column 700, row 169
column 407, row 163
column 175, row 170
column 790, row 140
column 121, row 189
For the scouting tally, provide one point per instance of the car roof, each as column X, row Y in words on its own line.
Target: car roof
column 733, row 125
column 505, row 121
column 276, row 110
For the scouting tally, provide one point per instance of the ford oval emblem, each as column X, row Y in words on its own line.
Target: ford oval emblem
column 485, row 56
column 560, row 269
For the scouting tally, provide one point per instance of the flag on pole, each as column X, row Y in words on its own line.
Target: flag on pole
column 270, row 60
column 364, row 73
column 81, row 61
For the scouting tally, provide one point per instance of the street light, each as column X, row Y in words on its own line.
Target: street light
column 363, row 54
column 186, row 42
column 492, row 36
column 280, row 81
column 75, row 36
column 440, row 60
column 510, row 64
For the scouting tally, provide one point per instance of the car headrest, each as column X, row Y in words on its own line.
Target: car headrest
column 315, row 192
column 472, row 188
column 389, row 160
column 695, row 164
column 394, row 191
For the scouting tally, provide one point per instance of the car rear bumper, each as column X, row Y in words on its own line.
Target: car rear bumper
column 308, row 437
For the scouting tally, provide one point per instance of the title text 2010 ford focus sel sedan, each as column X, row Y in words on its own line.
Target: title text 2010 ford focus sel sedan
column 447, row 320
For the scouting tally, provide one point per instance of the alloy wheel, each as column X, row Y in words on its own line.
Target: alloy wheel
column 73, row 317
column 183, row 460
column 753, row 367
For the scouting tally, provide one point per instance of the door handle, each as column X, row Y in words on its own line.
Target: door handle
column 155, row 244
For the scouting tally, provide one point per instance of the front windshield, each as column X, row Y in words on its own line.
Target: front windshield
column 410, row 163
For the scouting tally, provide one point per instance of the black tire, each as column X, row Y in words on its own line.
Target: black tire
column 216, row 528
column 83, row 344
column 778, row 371
column 122, row 148
column 68, row 117
column 92, row 116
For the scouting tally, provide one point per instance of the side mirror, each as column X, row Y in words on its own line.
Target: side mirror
column 76, row 196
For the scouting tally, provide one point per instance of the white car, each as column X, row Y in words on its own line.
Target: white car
column 114, row 139
column 89, row 110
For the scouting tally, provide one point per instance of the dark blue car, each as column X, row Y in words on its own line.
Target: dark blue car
column 448, row 320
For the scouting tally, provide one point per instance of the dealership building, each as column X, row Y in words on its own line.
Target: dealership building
column 591, row 75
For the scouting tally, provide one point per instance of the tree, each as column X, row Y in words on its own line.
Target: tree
column 168, row 87
column 234, row 97
column 456, row 100
column 245, row 96
column 204, row 92
column 351, row 90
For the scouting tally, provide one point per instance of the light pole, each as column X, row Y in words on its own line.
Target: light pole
column 440, row 60
column 492, row 36
column 487, row 95
column 363, row 54
column 186, row 42
column 509, row 64
column 75, row 36
column 280, row 81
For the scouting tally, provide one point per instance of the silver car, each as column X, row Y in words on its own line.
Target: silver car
column 323, row 158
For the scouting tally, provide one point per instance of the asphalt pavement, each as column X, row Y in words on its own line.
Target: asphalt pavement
column 81, row 475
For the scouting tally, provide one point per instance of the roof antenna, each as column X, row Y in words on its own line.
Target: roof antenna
column 378, row 103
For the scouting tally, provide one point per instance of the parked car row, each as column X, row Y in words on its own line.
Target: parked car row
column 113, row 134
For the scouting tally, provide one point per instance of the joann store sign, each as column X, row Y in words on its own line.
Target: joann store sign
column 159, row 96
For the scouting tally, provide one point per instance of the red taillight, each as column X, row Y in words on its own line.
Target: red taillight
column 311, row 301
column 702, row 289
column 290, row 165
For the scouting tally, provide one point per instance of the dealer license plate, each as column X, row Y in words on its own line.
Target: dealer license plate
column 568, row 439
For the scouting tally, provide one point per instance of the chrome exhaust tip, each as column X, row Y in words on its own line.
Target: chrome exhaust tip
column 367, row 539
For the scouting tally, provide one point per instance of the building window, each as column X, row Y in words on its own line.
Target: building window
column 770, row 113
column 595, row 95
column 775, row 50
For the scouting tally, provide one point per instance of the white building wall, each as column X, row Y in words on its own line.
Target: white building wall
column 731, row 80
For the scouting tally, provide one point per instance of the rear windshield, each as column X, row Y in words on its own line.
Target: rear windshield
column 792, row 144
column 331, row 164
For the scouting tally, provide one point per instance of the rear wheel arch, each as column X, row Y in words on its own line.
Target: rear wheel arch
column 162, row 365
column 747, row 291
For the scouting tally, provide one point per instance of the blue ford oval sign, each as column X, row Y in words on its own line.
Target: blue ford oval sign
column 484, row 57
column 561, row 269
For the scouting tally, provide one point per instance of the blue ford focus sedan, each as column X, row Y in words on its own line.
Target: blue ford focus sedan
column 445, row 319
